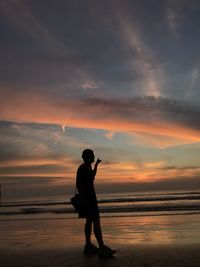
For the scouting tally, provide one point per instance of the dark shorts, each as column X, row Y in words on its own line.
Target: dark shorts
column 89, row 210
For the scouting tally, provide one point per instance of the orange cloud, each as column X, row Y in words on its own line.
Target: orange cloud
column 39, row 167
column 116, row 172
column 129, row 172
column 111, row 115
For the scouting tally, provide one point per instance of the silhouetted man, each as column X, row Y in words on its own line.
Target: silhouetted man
column 85, row 185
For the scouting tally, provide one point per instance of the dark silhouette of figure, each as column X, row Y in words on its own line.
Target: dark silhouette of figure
column 89, row 210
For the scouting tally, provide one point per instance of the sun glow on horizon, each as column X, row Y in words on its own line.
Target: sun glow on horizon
column 114, row 78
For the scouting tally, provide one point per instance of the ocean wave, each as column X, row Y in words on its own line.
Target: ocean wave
column 180, row 201
column 128, row 199
column 107, row 209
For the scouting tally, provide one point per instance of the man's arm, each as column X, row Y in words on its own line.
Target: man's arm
column 96, row 166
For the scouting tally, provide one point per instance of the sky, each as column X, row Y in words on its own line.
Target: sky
column 119, row 77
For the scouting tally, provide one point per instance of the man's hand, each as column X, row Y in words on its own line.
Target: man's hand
column 98, row 161
column 96, row 166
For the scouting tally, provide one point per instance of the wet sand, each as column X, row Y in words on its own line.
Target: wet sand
column 141, row 241
column 138, row 255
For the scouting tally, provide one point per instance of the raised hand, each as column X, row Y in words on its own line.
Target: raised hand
column 98, row 161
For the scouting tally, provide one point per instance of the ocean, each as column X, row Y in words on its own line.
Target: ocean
column 110, row 204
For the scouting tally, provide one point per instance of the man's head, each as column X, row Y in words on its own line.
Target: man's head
column 88, row 155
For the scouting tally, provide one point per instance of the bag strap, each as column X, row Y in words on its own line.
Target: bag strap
column 76, row 187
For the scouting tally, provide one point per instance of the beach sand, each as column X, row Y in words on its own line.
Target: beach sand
column 141, row 241
column 165, row 255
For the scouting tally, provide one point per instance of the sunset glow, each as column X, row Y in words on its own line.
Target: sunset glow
column 111, row 77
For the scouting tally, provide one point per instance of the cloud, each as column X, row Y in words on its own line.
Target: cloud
column 177, row 12
column 109, row 135
column 89, row 85
column 159, row 141
column 62, row 163
column 23, row 19
column 146, row 171
column 180, row 183
column 47, row 55
column 145, row 115
column 64, row 168
column 143, row 57
column 173, row 19
column 193, row 82
column 24, row 144
column 38, row 167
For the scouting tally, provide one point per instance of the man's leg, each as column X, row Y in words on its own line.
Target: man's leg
column 104, row 250
column 88, row 230
column 98, row 232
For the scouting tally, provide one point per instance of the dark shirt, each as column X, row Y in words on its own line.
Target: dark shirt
column 85, row 185
column 85, row 182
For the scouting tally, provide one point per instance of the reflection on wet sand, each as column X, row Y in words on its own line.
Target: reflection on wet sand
column 119, row 231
